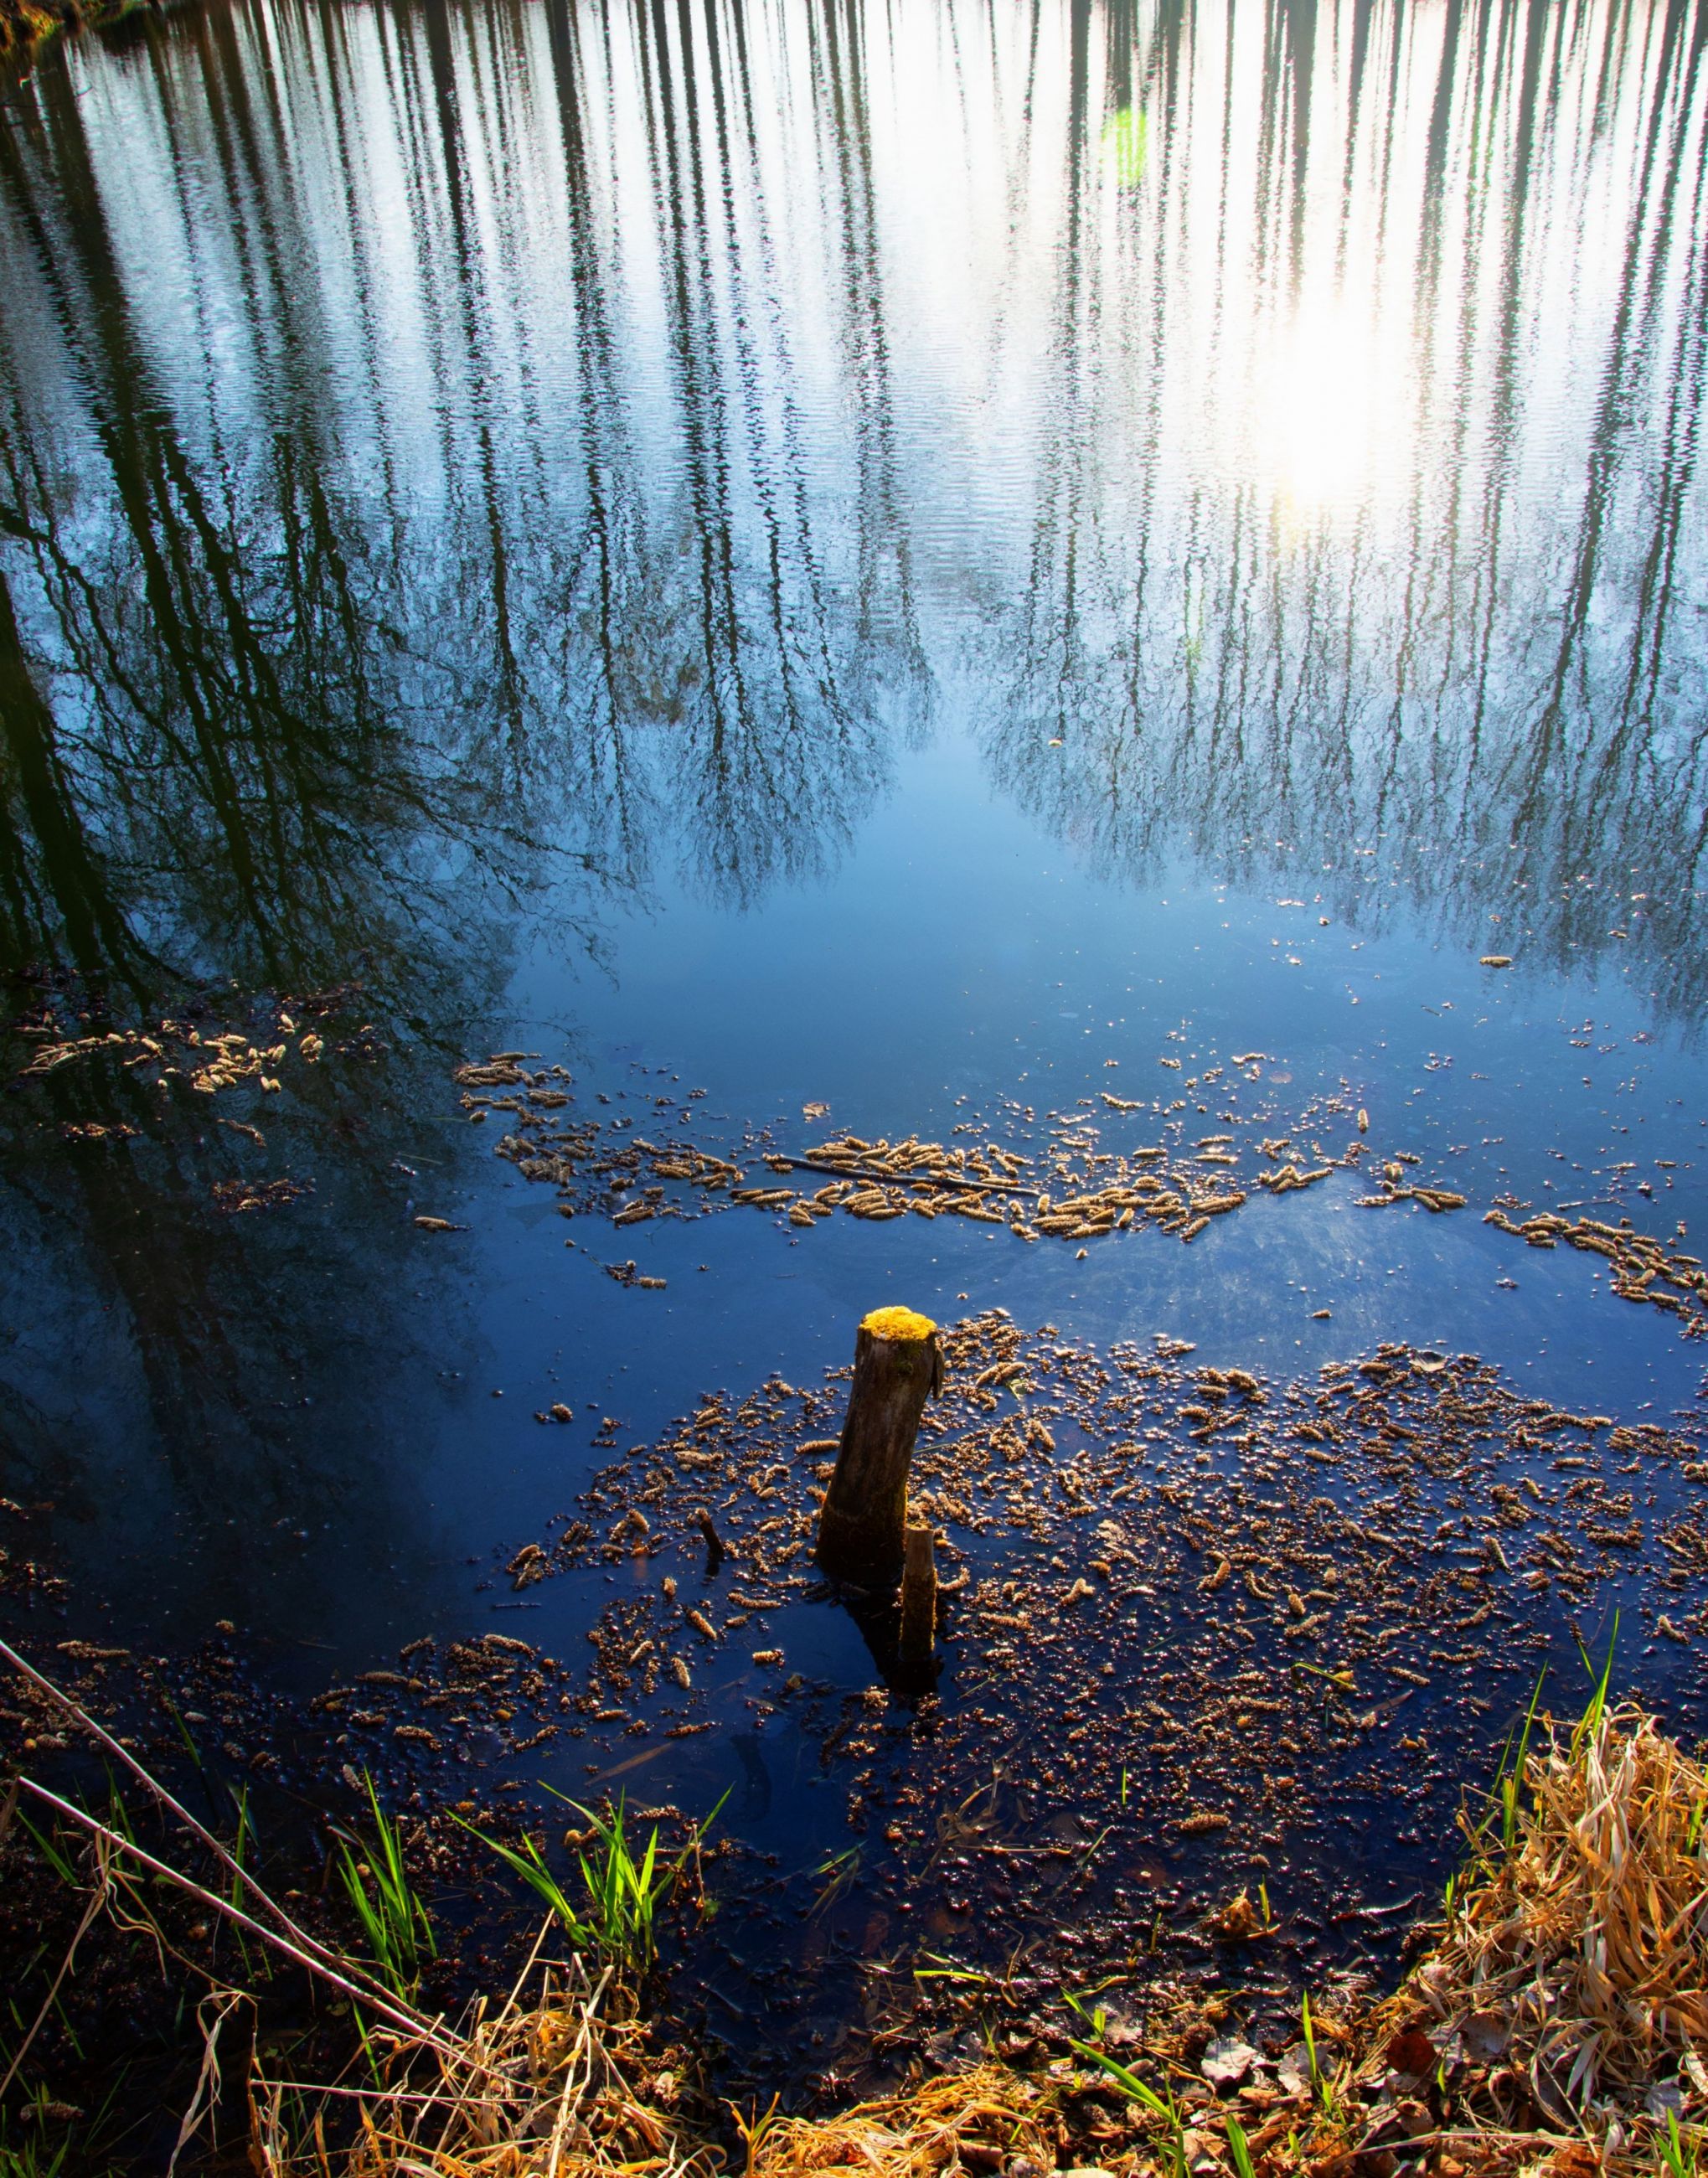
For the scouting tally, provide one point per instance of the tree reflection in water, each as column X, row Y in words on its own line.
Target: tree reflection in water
column 348, row 643
column 1352, row 561
column 466, row 470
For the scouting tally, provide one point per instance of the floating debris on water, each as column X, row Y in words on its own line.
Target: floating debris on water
column 1642, row 1267
column 1075, row 1189
column 233, row 1196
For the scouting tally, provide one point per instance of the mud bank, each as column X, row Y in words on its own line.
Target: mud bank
column 1554, row 2021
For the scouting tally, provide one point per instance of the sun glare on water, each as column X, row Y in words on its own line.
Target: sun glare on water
column 1319, row 431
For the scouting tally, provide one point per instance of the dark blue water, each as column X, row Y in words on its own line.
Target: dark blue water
column 929, row 562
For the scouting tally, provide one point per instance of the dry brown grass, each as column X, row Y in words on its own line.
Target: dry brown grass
column 1558, row 2025
column 1578, row 1962
column 980, row 2118
column 1562, row 2010
column 561, row 2088
column 554, row 2085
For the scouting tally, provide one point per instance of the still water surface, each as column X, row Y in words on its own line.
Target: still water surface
column 901, row 557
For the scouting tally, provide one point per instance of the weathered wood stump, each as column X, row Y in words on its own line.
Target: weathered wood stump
column 714, row 1542
column 919, row 1596
column 897, row 1367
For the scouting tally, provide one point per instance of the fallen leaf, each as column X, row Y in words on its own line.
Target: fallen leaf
column 1226, row 2062
column 1412, row 2051
column 1486, row 2035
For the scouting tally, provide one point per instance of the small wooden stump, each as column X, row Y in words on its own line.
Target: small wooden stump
column 897, row 1367
column 919, row 1596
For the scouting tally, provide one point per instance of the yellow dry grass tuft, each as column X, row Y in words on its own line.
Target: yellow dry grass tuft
column 1579, row 1960
column 975, row 2119
column 554, row 2088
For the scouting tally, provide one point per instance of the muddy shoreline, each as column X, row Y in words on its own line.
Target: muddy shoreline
column 1218, row 1659
column 1517, row 2029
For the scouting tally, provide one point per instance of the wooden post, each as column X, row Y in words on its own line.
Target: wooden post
column 919, row 1596
column 896, row 1368
column 714, row 1542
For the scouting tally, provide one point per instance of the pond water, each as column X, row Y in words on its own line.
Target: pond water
column 1069, row 572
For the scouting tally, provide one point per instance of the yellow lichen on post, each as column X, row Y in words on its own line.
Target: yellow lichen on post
column 898, row 1323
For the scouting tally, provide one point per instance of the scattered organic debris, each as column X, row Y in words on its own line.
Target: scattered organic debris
column 233, row 1196
column 202, row 1056
column 1196, row 1624
column 26, row 1578
column 1068, row 1187
column 1642, row 1268
column 1201, row 1634
column 1556, row 2022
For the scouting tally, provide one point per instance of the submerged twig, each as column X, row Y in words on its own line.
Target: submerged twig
column 166, row 1799
column 317, row 1961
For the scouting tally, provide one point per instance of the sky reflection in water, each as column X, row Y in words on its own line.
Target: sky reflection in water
column 871, row 556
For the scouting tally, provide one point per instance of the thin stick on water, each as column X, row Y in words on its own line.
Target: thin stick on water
column 173, row 1806
column 412, row 2023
